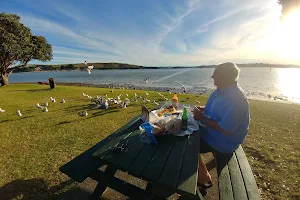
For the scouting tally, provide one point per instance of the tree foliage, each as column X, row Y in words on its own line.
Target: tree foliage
column 288, row 6
column 18, row 46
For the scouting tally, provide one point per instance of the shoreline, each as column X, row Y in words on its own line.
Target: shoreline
column 197, row 90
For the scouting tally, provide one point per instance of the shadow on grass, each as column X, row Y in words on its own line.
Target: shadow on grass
column 257, row 154
column 36, row 189
column 37, row 90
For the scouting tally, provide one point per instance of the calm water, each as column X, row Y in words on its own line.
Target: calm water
column 260, row 83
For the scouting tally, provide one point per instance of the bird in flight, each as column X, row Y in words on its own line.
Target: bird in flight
column 89, row 67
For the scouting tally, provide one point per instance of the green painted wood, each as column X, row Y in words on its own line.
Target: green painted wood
column 112, row 157
column 170, row 173
column 225, row 187
column 237, row 182
column 187, row 181
column 248, row 177
column 128, row 157
column 141, row 161
column 81, row 166
column 156, row 164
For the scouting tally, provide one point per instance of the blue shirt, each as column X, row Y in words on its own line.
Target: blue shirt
column 230, row 109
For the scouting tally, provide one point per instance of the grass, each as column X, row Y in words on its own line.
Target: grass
column 34, row 146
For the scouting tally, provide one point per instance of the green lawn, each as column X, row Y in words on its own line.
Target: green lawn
column 34, row 146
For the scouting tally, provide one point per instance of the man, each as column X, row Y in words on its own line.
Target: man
column 226, row 116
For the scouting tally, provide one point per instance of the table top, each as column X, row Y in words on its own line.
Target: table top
column 172, row 163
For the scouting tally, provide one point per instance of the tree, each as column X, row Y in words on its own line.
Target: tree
column 288, row 6
column 18, row 46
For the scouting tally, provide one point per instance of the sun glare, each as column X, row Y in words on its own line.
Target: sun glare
column 287, row 45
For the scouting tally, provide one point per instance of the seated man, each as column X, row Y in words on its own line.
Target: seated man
column 226, row 116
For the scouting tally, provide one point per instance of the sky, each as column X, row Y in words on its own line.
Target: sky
column 160, row 32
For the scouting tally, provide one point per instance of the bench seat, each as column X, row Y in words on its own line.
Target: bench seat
column 236, row 180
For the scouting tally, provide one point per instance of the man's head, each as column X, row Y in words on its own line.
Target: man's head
column 225, row 75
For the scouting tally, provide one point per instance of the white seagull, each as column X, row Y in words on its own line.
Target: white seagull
column 155, row 103
column 63, row 101
column 53, row 100
column 1, row 110
column 46, row 104
column 19, row 113
column 84, row 94
column 89, row 68
column 83, row 114
column 146, row 93
column 38, row 105
column 183, row 87
column 44, row 109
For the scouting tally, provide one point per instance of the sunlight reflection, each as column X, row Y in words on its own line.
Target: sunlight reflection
column 289, row 82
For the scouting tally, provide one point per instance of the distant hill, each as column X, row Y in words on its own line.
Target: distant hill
column 106, row 66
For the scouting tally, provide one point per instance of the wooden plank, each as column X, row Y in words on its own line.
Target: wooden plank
column 141, row 161
column 225, row 188
column 187, row 181
column 237, row 182
column 121, row 186
column 172, row 168
column 85, row 156
column 249, row 180
column 127, row 158
column 112, row 157
column 74, row 168
column 156, row 164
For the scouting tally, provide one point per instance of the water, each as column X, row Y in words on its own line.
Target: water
column 261, row 83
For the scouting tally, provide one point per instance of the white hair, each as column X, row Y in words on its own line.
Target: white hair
column 229, row 71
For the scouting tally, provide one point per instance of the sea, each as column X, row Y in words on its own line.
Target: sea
column 271, row 84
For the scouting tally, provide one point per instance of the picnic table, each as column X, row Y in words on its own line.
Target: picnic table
column 169, row 166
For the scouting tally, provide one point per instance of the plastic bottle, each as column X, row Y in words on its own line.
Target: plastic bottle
column 175, row 100
column 184, row 119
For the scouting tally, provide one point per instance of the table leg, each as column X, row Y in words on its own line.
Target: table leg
column 101, row 186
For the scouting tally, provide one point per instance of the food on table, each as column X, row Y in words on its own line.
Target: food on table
column 168, row 110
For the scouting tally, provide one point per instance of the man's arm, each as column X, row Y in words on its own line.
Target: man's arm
column 209, row 122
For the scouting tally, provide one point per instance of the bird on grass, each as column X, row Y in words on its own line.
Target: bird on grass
column 84, row 94
column 63, row 101
column 53, row 100
column 38, row 105
column 46, row 103
column 198, row 102
column 19, row 113
column 155, row 103
column 146, row 93
column 44, row 109
column 1, row 110
column 83, row 114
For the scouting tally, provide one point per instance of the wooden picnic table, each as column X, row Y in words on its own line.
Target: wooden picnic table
column 169, row 166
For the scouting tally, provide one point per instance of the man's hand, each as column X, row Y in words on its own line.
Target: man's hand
column 198, row 115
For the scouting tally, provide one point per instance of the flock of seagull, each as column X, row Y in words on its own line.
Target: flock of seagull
column 104, row 102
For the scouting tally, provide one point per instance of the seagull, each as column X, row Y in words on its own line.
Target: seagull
column 44, row 109
column 53, row 100
column 166, row 99
column 1, row 110
column 155, row 103
column 159, row 94
column 83, row 114
column 146, row 93
column 89, row 68
column 19, row 113
column 123, row 105
column 84, row 94
column 105, row 95
column 183, row 87
column 38, row 105
column 198, row 102
column 63, row 101
column 46, row 104
column 170, row 92
column 146, row 80
column 126, row 95
column 106, row 104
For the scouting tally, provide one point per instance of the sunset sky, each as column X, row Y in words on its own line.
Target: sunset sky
column 163, row 33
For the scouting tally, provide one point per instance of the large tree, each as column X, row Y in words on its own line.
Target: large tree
column 18, row 46
column 289, row 6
